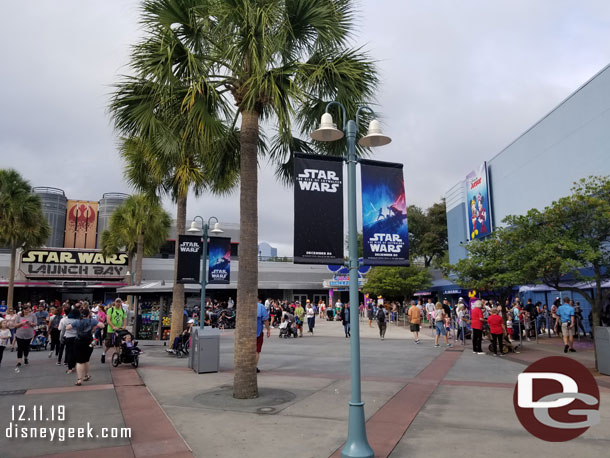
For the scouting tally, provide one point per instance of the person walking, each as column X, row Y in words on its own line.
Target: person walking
column 299, row 315
column 439, row 325
column 476, row 323
column 11, row 318
column 54, row 320
column 415, row 321
column 68, row 336
column 85, row 326
column 382, row 318
column 262, row 320
column 566, row 315
column 370, row 311
column 311, row 316
column 497, row 330
column 5, row 337
column 430, row 312
column 24, row 334
column 345, row 319
column 116, row 318
column 462, row 322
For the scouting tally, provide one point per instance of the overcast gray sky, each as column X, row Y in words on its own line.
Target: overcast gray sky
column 460, row 80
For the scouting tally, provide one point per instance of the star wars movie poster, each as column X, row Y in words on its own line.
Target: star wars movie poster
column 219, row 270
column 189, row 258
column 318, row 209
column 477, row 203
column 384, row 214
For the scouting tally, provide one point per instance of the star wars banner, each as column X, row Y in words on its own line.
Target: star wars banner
column 385, row 233
column 189, row 258
column 219, row 271
column 477, row 203
column 318, row 210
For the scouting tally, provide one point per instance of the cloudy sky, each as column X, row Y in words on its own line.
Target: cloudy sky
column 461, row 79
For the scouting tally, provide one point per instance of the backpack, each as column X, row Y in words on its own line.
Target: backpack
column 55, row 321
column 381, row 315
column 83, row 331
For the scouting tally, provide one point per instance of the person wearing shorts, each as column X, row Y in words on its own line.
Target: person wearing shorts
column 262, row 319
column 439, row 324
column 415, row 320
column 116, row 319
column 566, row 314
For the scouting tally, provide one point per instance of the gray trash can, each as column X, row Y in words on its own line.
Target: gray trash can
column 205, row 350
column 602, row 349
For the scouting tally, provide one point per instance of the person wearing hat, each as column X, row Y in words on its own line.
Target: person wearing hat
column 117, row 319
column 299, row 314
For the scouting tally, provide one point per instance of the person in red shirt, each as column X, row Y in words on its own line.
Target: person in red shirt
column 476, row 323
column 497, row 329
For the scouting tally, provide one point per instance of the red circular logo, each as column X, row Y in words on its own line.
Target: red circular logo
column 556, row 399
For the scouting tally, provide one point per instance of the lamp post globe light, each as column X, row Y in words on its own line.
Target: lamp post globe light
column 204, row 255
column 356, row 444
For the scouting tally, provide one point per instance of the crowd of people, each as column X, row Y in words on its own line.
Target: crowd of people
column 70, row 331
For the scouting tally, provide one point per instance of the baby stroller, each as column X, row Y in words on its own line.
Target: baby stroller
column 39, row 342
column 126, row 349
column 507, row 345
column 288, row 328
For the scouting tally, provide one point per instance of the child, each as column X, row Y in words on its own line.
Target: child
column 5, row 337
column 448, row 326
column 509, row 328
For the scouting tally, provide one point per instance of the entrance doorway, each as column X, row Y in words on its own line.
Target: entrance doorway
column 320, row 297
column 302, row 298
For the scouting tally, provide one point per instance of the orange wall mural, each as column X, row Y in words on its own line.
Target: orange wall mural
column 81, row 224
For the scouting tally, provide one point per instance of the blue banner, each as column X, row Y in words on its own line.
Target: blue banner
column 477, row 203
column 385, row 233
column 219, row 271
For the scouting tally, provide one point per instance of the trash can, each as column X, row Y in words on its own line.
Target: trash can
column 602, row 349
column 205, row 350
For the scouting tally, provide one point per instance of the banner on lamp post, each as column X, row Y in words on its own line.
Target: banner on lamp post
column 318, row 209
column 385, row 233
column 219, row 271
column 189, row 258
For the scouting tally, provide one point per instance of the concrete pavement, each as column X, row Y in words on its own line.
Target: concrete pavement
column 420, row 401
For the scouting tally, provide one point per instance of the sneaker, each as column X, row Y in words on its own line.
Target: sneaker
column 58, row 363
column 436, row 345
column 449, row 345
column 572, row 350
column 25, row 360
column 480, row 353
column 257, row 370
column 50, row 353
column 103, row 358
column 501, row 354
column 565, row 349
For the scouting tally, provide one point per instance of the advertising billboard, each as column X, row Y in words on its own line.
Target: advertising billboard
column 318, row 209
column 478, row 213
column 189, row 258
column 385, row 232
column 219, row 271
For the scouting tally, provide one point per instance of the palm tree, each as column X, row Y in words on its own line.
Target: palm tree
column 140, row 226
column 22, row 222
column 253, row 61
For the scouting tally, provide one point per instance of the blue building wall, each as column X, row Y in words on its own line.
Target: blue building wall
column 456, row 220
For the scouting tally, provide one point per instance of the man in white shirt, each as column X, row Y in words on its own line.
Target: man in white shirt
column 430, row 311
column 230, row 303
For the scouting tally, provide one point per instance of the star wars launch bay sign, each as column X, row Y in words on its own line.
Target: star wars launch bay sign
column 73, row 263
column 318, row 209
column 189, row 258
column 385, row 234
column 477, row 203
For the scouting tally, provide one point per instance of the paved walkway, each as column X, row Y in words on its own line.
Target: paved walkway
column 420, row 401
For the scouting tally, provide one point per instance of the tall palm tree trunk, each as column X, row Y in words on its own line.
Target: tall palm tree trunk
column 11, row 279
column 177, row 307
column 139, row 256
column 244, row 382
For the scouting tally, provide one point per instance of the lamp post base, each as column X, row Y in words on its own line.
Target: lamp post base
column 356, row 445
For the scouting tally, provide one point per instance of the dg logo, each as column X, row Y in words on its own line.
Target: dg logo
column 556, row 399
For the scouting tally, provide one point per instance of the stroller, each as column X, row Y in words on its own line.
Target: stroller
column 40, row 341
column 288, row 327
column 507, row 345
column 127, row 351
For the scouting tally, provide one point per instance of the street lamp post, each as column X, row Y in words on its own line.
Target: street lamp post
column 356, row 444
column 204, row 256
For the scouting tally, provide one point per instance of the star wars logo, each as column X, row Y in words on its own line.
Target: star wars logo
column 318, row 180
column 218, row 274
column 386, row 243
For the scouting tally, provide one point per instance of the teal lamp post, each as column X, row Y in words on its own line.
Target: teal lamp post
column 356, row 444
column 204, row 256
